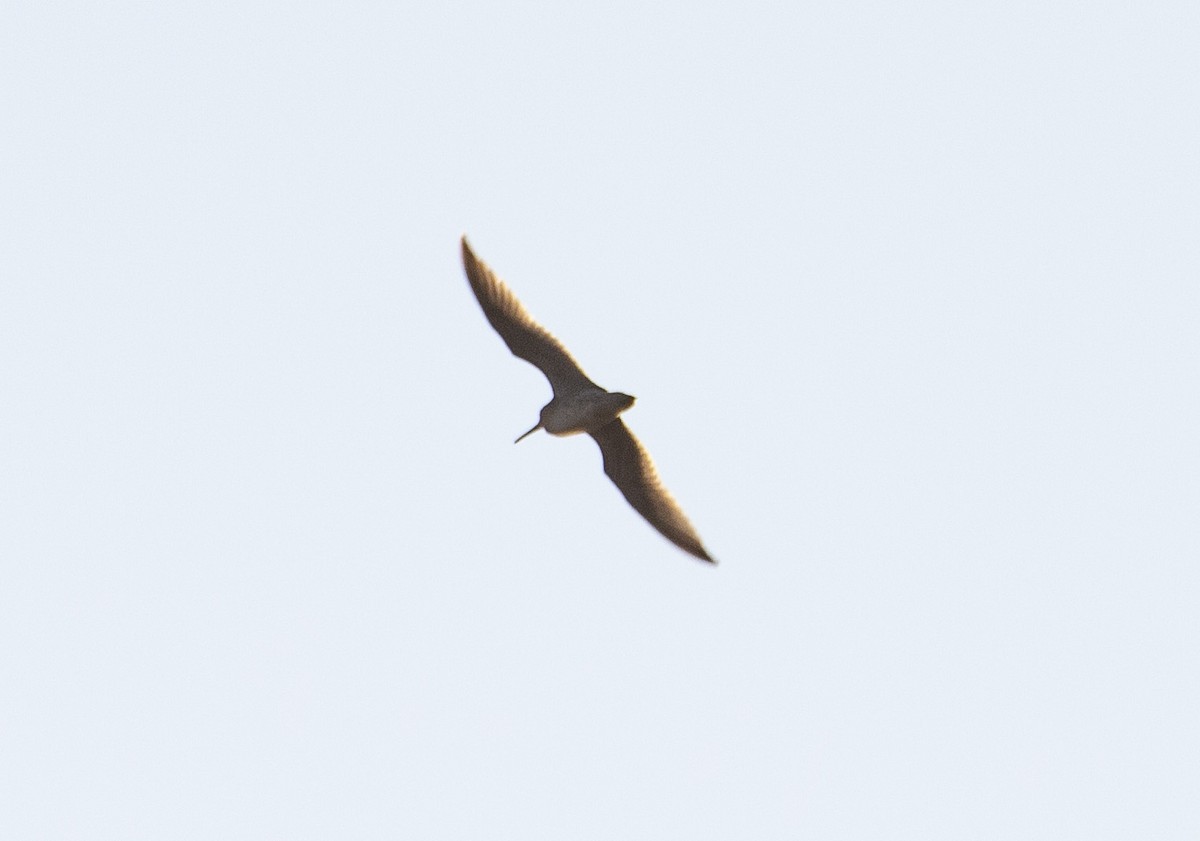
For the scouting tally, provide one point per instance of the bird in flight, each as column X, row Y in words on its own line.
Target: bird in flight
column 579, row 405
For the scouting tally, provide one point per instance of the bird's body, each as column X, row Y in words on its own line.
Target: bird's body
column 579, row 405
column 583, row 411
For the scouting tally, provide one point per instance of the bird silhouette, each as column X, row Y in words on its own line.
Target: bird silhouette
column 579, row 405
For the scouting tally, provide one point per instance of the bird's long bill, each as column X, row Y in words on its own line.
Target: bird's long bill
column 530, row 432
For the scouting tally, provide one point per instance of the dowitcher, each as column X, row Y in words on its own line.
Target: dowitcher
column 579, row 405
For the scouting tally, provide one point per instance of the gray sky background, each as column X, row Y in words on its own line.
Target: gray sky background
column 908, row 293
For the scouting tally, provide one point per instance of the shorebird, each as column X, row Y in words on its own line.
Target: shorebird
column 579, row 405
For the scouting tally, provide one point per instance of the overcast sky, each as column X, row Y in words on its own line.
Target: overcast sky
column 909, row 294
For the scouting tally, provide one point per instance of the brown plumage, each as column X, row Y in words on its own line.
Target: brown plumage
column 579, row 405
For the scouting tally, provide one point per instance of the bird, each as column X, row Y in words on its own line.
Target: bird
column 581, row 406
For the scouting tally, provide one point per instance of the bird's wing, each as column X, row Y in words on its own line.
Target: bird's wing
column 629, row 466
column 524, row 336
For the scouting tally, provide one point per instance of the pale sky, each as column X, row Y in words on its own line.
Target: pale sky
column 909, row 294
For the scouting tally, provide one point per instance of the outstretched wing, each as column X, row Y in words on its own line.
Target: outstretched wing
column 524, row 336
column 629, row 466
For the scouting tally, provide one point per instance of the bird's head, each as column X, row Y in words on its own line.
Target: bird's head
column 539, row 425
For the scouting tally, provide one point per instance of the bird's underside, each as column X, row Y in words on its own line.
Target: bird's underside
column 626, row 461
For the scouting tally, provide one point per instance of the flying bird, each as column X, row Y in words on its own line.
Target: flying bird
column 579, row 405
